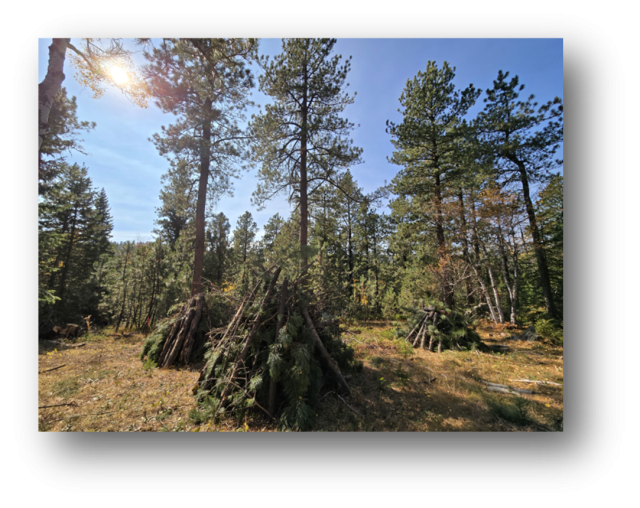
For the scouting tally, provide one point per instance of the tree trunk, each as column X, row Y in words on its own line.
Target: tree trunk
column 492, row 281
column 124, row 296
column 543, row 270
column 447, row 290
column 465, row 246
column 205, row 159
column 510, row 285
column 303, row 176
column 67, row 258
column 50, row 86
column 475, row 263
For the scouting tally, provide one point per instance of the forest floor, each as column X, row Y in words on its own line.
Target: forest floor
column 103, row 386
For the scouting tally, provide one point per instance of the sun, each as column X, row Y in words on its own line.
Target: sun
column 119, row 75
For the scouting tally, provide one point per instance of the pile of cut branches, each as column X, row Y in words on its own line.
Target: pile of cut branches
column 275, row 354
column 435, row 325
column 173, row 339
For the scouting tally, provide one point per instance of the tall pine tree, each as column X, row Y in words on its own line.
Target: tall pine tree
column 524, row 139
column 301, row 141
column 427, row 146
column 205, row 83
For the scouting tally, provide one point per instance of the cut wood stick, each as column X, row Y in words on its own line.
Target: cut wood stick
column 254, row 329
column 185, row 354
column 255, row 401
column 536, row 382
column 420, row 332
column 58, row 405
column 229, row 334
column 414, row 329
column 495, row 387
column 54, row 368
column 323, row 351
column 343, row 401
column 507, row 390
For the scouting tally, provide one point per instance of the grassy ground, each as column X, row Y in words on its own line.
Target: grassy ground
column 104, row 387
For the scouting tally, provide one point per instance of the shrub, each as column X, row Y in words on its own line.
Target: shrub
column 550, row 329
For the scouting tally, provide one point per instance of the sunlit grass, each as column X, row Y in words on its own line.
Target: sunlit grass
column 107, row 388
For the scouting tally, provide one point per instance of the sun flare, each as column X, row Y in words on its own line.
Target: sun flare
column 119, row 75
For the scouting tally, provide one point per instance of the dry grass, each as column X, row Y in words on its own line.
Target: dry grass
column 401, row 389
column 104, row 387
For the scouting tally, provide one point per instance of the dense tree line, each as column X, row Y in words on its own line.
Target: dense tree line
column 474, row 218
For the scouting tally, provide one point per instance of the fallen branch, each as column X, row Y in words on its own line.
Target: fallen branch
column 343, row 401
column 494, row 387
column 58, row 405
column 254, row 328
column 323, row 351
column 536, row 382
column 254, row 400
column 54, row 368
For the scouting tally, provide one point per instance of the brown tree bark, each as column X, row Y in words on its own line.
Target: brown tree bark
column 50, row 86
column 304, row 207
column 541, row 259
column 447, row 289
column 333, row 365
column 205, row 161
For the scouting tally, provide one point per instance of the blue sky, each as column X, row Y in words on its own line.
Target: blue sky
column 122, row 160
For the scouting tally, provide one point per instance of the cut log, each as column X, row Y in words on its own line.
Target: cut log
column 254, row 329
column 179, row 343
column 494, row 387
column 536, row 382
column 420, row 333
column 323, row 351
column 414, row 330
column 185, row 354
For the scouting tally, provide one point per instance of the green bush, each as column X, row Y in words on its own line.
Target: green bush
column 515, row 411
column 550, row 329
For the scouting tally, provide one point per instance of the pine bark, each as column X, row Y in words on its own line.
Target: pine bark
column 447, row 289
column 205, row 161
column 179, row 343
column 303, row 172
column 541, row 259
column 50, row 86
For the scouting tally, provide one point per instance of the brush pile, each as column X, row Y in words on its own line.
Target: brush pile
column 435, row 325
column 275, row 354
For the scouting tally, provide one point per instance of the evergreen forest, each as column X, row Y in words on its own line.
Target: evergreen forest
column 444, row 282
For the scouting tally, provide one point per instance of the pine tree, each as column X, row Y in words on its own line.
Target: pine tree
column 217, row 259
column 101, row 225
column 523, row 142
column 61, row 137
column 271, row 230
column 243, row 242
column 427, row 143
column 177, row 211
column 80, row 222
column 300, row 141
column 204, row 82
